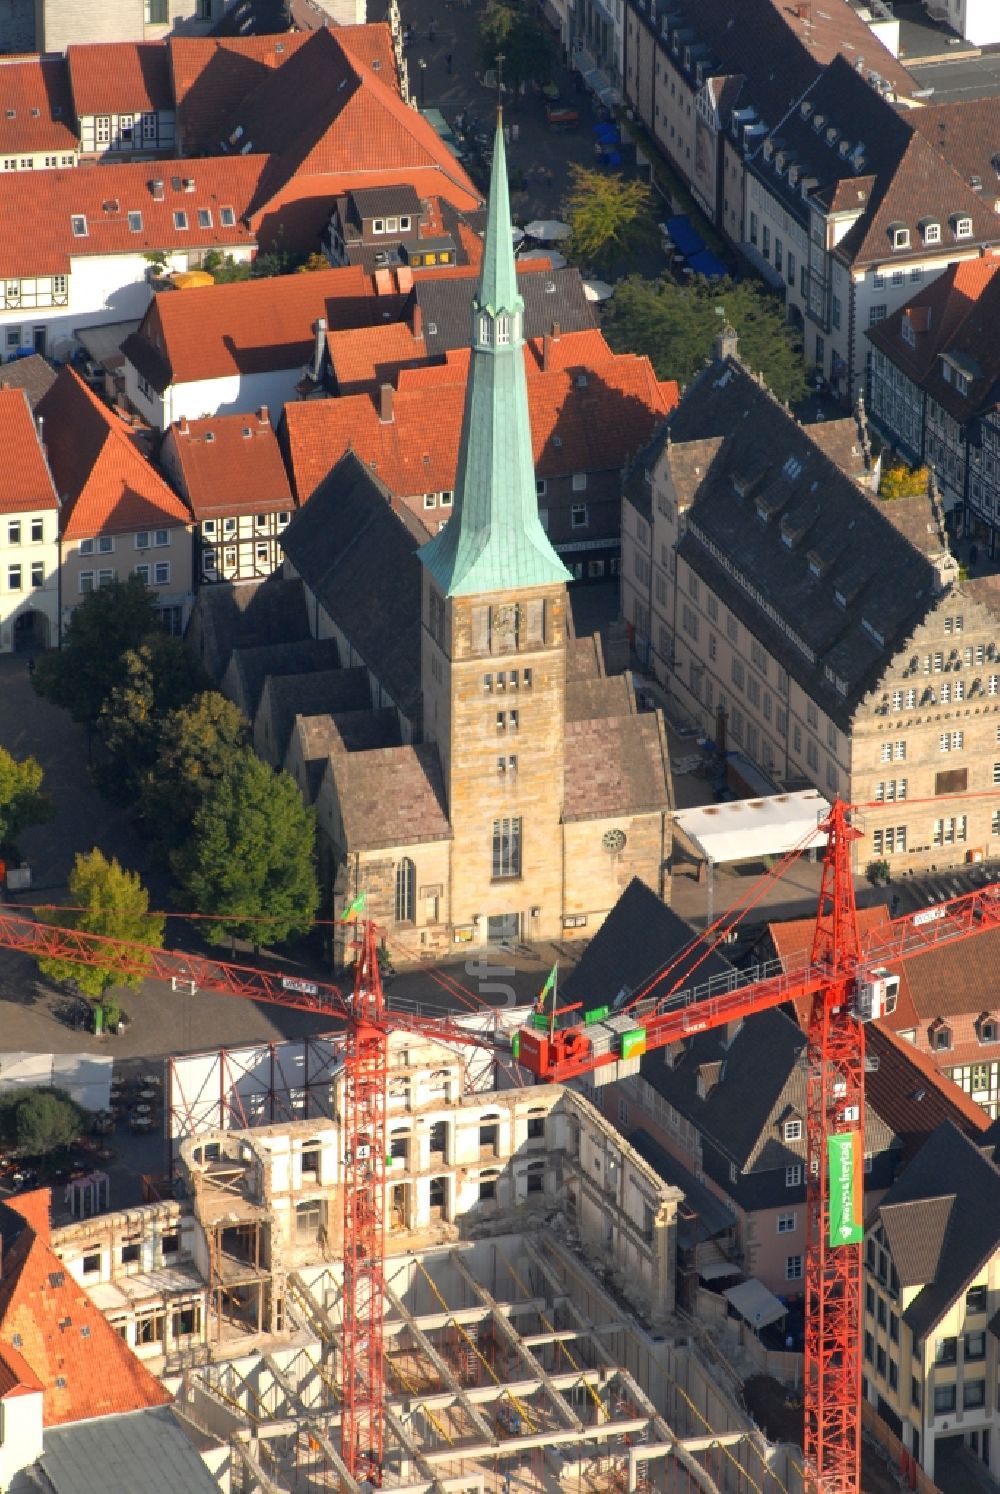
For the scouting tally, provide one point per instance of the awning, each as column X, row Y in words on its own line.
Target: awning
column 754, row 1303
column 687, row 239
column 708, row 264
column 746, row 829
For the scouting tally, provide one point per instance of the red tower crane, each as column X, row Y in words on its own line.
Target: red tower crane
column 847, row 983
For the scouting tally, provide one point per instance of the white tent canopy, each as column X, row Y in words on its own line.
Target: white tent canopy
column 746, row 829
column 754, row 1303
column 85, row 1076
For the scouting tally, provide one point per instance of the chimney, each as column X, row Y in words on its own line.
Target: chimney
column 726, row 344
column 546, row 352
column 556, row 331
column 264, row 416
column 418, row 320
column 156, row 187
column 319, row 351
column 182, row 426
column 385, row 404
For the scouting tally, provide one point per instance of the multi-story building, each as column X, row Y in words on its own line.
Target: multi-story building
column 231, row 474
column 29, row 532
column 123, row 99
column 932, row 1291
column 932, row 369
column 831, row 626
column 37, row 129
column 117, row 515
column 589, row 411
column 52, row 25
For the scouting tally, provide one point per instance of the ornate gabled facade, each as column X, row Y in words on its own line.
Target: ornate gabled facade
column 528, row 789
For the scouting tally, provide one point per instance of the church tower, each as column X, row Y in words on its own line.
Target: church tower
column 493, row 636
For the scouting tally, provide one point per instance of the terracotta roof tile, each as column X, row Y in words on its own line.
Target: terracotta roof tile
column 371, row 46
column 239, row 471
column 363, row 358
column 36, row 107
column 120, row 77
column 107, row 486
column 212, row 74
column 911, row 1093
column 16, row 1375
column 576, row 427
column 249, row 327
column 25, row 480
column 36, row 234
column 48, row 1320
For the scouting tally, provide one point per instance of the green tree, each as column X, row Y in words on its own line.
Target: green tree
column 224, row 268
column 676, row 326
column 250, row 856
column 105, row 899
column 22, row 802
column 42, row 1120
column 157, row 677
column 904, row 482
column 508, row 27
column 81, row 674
column 611, row 217
column 195, row 745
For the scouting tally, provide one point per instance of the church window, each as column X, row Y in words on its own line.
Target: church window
column 406, row 890
column 503, row 331
column 506, row 848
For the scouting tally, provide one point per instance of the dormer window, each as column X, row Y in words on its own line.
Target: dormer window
column 900, row 235
column 792, row 1130
column 940, row 1036
column 404, row 224
column 378, row 225
column 931, row 232
column 906, row 331
column 987, row 1028
column 962, row 227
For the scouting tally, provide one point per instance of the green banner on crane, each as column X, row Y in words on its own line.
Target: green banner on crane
column 845, row 1174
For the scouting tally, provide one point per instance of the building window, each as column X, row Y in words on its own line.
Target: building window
column 975, row 1346
column 506, row 858
column 944, row 1399
column 793, row 1130
column 786, row 1223
column 946, row 1351
column 14, row 538
column 86, row 581
column 180, row 219
column 793, row 1175
column 37, row 573
column 308, row 1219
column 973, row 1395
column 78, row 224
column 977, row 1298
column 578, row 516
column 406, row 890
column 13, row 578
column 204, row 218
column 793, row 1268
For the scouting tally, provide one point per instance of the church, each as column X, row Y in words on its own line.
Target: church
column 502, row 786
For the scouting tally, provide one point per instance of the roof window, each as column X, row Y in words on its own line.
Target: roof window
column 135, row 222
column 962, row 226
column 204, row 217
column 227, row 217
column 900, row 235
column 78, row 224
column 180, row 219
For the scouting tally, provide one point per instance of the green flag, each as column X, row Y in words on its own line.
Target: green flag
column 358, row 906
column 550, row 985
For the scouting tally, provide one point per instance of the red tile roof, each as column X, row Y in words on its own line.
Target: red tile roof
column 16, row 1375
column 25, row 481
column 107, row 486
column 36, row 235
column 36, row 108
column 575, row 428
column 212, row 74
column 793, row 940
column 120, row 77
column 371, row 46
column 362, row 358
column 251, row 326
column 911, row 1094
column 239, row 471
column 50, row 1328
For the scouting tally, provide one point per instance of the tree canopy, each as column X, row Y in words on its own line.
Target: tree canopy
column 250, row 856
column 42, row 1120
column 676, row 325
column 22, row 802
column 904, row 482
column 105, row 899
column 155, row 678
column 195, row 745
column 508, row 27
column 107, row 623
column 610, row 215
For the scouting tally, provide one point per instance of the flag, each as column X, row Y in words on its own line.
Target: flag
column 549, row 986
column 358, row 906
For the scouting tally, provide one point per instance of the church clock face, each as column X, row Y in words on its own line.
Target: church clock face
column 504, row 623
column 613, row 841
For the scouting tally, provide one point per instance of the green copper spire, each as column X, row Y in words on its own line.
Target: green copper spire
column 494, row 540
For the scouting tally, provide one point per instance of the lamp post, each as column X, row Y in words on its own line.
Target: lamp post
column 422, row 65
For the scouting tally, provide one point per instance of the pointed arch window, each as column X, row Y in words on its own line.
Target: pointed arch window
column 503, row 330
column 406, row 890
column 484, row 328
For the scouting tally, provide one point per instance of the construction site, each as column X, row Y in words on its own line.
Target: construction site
column 528, row 1320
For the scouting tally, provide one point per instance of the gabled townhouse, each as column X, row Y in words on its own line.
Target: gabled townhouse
column 386, row 227
column 932, row 376
column 848, row 205
column 37, row 128
column 231, row 474
column 589, row 408
column 55, row 28
column 122, row 99
column 118, row 517
column 29, row 532
column 221, row 349
column 947, row 1011
column 695, row 78
column 78, row 253
column 728, row 1105
column 830, row 626
column 932, row 1294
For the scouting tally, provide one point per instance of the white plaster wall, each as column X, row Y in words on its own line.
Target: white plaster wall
column 20, row 1434
column 205, row 397
column 45, row 598
column 979, row 21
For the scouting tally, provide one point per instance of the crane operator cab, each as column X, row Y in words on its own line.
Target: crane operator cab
column 876, row 994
